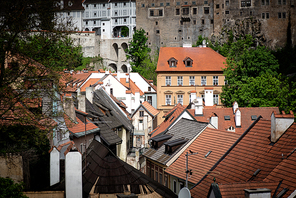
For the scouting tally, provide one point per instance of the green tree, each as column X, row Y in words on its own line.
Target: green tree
column 9, row 189
column 248, row 69
column 138, row 49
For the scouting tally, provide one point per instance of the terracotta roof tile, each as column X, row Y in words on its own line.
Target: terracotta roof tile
column 90, row 82
column 204, row 59
column 150, row 108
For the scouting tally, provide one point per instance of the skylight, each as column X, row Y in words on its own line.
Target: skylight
column 208, row 154
column 227, row 117
column 253, row 117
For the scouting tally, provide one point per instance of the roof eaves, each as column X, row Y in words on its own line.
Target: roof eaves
column 80, row 134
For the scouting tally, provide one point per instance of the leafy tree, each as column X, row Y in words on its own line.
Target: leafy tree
column 124, row 31
column 9, row 189
column 248, row 71
column 138, row 50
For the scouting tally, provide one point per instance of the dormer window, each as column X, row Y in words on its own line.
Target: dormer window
column 188, row 62
column 172, row 62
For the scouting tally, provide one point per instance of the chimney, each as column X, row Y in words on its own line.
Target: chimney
column 73, row 172
column 214, row 120
column 89, row 93
column 238, row 118
column 68, row 106
column 81, row 103
column 126, row 77
column 198, row 106
column 128, row 96
column 279, row 124
column 234, row 107
column 137, row 99
column 257, row 193
column 54, row 166
column 209, row 97
column 192, row 96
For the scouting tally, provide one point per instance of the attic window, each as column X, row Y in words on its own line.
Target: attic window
column 172, row 146
column 226, row 117
column 172, row 62
column 208, row 154
column 158, row 141
column 172, row 118
column 188, row 62
column 253, row 117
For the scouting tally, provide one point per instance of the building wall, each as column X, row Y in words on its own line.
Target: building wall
column 45, row 194
column 172, row 29
column 174, row 90
column 12, row 167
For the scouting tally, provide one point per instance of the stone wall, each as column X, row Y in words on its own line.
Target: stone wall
column 12, row 167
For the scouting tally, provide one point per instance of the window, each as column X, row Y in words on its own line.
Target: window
column 279, row 15
column 185, row 11
column 115, row 20
column 141, row 113
column 86, row 22
column 151, row 12
column 191, row 80
column 193, row 3
column 263, row 15
column 181, row 184
column 103, row 5
column 284, row 15
column 222, row 5
column 160, row 177
column 180, row 99
column 227, row 3
column 206, row 10
column 161, row 4
column 177, row 11
column 152, row 5
column 167, row 80
column 160, row 12
column 202, row 21
column 194, row 10
column 140, row 121
column 178, row 3
column 95, row 22
column 217, row 6
column 124, row 4
column 143, row 5
column 166, row 180
column 173, row 63
column 156, row 22
column 203, row 80
column 251, row 13
column 279, row 2
column 124, row 20
column 185, row 3
column 149, row 88
column 263, row 2
column 267, row 15
column 246, row 3
column 212, row 21
column 194, row 22
column 215, row 80
column 215, row 98
column 180, row 80
column 157, row 31
column 149, row 99
column 226, row 12
column 205, row 2
column 111, row 91
column 168, row 99
column 175, row 186
column 167, row 4
column 267, row 2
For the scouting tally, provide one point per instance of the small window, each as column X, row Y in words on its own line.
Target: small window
column 193, row 3
column 175, row 186
column 203, row 80
column 115, row 4
column 86, row 22
column 263, row 15
column 202, row 21
column 168, row 99
column 152, row 5
column 226, row 117
column 95, row 22
column 156, row 22
column 141, row 113
column 111, row 91
column 284, row 15
column 157, row 31
column 167, row 80
column 115, row 13
column 222, row 5
column 251, row 13
column 241, row 13
column 115, row 20
column 177, row 11
column 279, row 2
column 185, row 3
column 151, row 12
column 103, row 5
column 262, row 2
column 215, row 80
column 191, row 80
column 279, row 15
column 205, row 2
column 149, row 88
column 267, row 15
column 215, row 99
column 180, row 80
column 124, row 20
column 253, row 117
column 194, row 22
column 161, row 4
column 143, row 5
column 160, row 12
column 180, row 99
column 179, row 30
column 206, row 10
column 226, row 12
column 167, row 4
column 194, row 10
column 185, row 11
column 212, row 21
column 267, row 2
column 124, row 4
column 178, row 3
column 227, row 3
column 86, row 5
column 207, row 155
column 217, row 6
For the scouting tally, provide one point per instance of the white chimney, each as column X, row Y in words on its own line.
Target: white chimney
column 238, row 118
column 126, row 77
column 192, row 96
column 257, row 193
column 81, row 103
column 89, row 93
column 137, row 99
column 209, row 97
column 279, row 124
column 214, row 120
column 73, row 173
column 234, row 107
column 198, row 106
column 54, row 166
column 128, row 96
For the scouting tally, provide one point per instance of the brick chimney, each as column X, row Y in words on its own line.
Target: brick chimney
column 279, row 124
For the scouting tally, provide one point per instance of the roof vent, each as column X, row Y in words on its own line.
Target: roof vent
column 253, row 117
column 208, row 154
column 256, row 172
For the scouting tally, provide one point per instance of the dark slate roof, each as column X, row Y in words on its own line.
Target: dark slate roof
column 185, row 129
column 117, row 116
column 111, row 175
column 106, row 132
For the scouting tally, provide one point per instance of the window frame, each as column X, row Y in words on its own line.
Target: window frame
column 215, row 80
column 180, row 99
column 141, row 113
column 168, row 99
column 216, row 99
column 203, row 80
column 180, row 81
column 168, row 80
column 192, row 80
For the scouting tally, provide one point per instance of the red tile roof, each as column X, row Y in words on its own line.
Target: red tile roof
column 176, row 111
column 150, row 108
column 79, row 126
column 216, row 141
column 131, row 85
column 90, row 81
column 246, row 113
column 254, row 151
column 204, row 59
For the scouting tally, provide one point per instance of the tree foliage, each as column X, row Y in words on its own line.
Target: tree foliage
column 139, row 55
column 9, row 189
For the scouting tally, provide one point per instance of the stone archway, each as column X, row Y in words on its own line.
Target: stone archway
column 115, row 50
column 124, row 68
column 86, row 29
column 112, row 66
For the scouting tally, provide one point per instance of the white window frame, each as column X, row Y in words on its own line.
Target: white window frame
column 168, row 81
column 216, row 99
column 191, row 80
column 180, row 80
column 180, row 99
column 203, row 80
column 215, row 80
column 168, row 99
